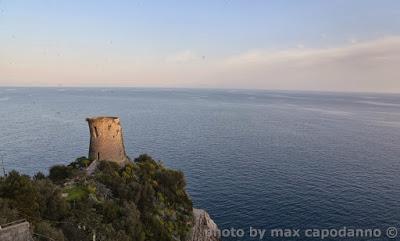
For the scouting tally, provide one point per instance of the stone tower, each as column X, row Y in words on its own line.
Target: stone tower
column 106, row 141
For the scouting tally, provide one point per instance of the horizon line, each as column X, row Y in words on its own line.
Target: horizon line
column 198, row 88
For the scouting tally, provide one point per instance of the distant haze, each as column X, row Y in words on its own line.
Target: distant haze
column 307, row 45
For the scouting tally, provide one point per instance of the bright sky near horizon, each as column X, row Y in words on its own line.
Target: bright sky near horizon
column 335, row 45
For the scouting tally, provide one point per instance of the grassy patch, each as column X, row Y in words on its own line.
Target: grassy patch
column 76, row 193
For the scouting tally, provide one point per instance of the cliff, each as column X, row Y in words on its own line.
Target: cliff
column 204, row 228
column 106, row 143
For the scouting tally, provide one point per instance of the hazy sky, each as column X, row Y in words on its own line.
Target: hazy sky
column 302, row 45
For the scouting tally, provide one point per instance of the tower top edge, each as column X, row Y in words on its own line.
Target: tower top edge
column 97, row 118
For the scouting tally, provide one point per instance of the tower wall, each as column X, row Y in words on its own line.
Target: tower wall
column 106, row 140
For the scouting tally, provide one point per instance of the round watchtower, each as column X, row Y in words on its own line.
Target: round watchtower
column 106, row 140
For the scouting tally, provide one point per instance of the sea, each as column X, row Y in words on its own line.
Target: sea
column 267, row 160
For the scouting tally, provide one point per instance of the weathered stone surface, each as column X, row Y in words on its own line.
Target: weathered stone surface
column 204, row 228
column 16, row 232
column 106, row 140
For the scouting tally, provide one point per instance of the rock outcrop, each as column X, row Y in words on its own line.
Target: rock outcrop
column 204, row 228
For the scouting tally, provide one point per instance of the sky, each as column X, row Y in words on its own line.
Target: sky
column 335, row 45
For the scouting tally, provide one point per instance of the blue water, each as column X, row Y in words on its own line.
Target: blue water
column 251, row 158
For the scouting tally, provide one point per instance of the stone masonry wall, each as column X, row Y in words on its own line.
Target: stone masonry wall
column 17, row 232
column 106, row 140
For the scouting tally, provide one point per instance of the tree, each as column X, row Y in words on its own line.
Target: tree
column 21, row 193
column 60, row 173
column 141, row 201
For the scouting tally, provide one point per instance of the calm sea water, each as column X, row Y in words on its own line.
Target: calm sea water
column 251, row 158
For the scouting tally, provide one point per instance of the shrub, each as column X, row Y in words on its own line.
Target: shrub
column 60, row 173
column 141, row 201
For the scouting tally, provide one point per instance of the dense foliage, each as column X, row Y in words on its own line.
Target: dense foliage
column 141, row 201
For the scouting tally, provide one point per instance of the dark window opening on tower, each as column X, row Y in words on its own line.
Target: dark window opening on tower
column 96, row 133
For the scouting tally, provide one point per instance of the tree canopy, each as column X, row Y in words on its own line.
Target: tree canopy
column 141, row 201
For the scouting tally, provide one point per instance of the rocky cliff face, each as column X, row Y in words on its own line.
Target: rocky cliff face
column 204, row 228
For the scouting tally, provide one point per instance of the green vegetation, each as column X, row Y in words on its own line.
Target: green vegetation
column 140, row 201
column 76, row 193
